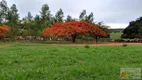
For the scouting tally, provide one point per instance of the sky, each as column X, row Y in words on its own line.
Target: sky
column 114, row 13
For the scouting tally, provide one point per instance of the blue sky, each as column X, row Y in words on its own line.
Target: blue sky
column 114, row 13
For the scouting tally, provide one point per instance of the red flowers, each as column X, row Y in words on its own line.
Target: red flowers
column 75, row 28
column 3, row 30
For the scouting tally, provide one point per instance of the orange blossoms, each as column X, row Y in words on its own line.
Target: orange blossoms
column 72, row 29
column 3, row 30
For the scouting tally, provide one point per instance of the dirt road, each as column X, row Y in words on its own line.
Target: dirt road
column 106, row 44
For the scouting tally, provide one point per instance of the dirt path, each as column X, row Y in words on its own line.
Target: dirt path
column 107, row 44
column 6, row 46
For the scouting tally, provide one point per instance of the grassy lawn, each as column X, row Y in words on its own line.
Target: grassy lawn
column 33, row 61
column 115, row 35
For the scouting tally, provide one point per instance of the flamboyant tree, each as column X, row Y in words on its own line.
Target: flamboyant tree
column 3, row 30
column 73, row 29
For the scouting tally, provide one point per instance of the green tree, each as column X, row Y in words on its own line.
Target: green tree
column 133, row 30
column 29, row 17
column 69, row 18
column 84, row 17
column 3, row 11
column 59, row 16
column 45, row 16
column 53, row 20
column 90, row 18
column 104, row 28
column 27, row 28
column 37, row 25
column 140, row 32
column 12, row 21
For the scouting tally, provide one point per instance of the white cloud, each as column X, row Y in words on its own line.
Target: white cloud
column 115, row 25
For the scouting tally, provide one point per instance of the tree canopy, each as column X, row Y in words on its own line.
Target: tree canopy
column 73, row 29
column 3, row 11
column 134, row 30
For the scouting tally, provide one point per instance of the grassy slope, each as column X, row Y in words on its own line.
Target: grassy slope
column 115, row 35
column 25, row 61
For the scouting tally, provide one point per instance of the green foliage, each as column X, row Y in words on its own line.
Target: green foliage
column 13, row 21
column 134, row 30
column 34, row 61
column 45, row 16
column 125, row 45
column 3, row 11
column 84, row 17
column 30, row 25
column 29, row 17
column 69, row 18
column 90, row 17
column 37, row 25
column 105, row 28
column 87, row 46
column 59, row 16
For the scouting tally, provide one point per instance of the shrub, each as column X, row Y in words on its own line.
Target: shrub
column 125, row 45
column 87, row 46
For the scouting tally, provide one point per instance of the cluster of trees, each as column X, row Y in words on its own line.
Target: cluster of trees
column 34, row 25
column 134, row 30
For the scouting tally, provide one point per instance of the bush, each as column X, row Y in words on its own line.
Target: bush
column 87, row 46
column 124, row 45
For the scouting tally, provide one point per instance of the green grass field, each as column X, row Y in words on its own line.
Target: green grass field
column 115, row 35
column 34, row 61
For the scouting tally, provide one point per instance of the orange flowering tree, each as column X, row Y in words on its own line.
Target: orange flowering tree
column 3, row 30
column 73, row 29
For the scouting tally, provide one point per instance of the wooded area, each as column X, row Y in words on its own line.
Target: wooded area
column 31, row 27
column 13, row 27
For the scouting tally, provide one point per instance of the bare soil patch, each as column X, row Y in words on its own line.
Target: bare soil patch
column 5, row 46
column 106, row 44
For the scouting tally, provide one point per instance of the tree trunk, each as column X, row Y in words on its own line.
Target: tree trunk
column 73, row 38
column 96, row 39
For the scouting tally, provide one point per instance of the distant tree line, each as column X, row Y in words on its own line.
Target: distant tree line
column 34, row 25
